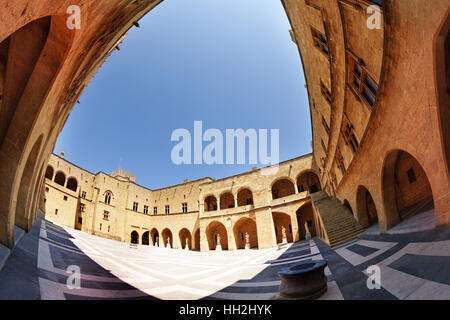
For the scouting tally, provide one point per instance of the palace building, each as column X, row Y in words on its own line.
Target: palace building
column 379, row 96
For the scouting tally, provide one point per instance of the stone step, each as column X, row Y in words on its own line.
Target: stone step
column 339, row 224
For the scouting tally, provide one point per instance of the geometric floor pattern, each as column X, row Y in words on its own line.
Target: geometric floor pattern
column 412, row 265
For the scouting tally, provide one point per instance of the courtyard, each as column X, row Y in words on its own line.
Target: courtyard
column 414, row 265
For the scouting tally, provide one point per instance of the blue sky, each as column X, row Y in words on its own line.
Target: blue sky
column 228, row 63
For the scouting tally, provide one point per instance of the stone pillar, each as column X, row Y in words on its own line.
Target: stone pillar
column 203, row 238
column 230, row 235
column 265, row 229
column 295, row 228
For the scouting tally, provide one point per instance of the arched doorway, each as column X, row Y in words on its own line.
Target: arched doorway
column 226, row 201
column 210, row 203
column 282, row 188
column 367, row 211
column 215, row 230
column 406, row 189
column 282, row 221
column 145, row 238
column 134, row 237
column 185, row 238
column 244, row 197
column 242, row 228
column 308, row 181
column 305, row 220
column 167, row 237
column 155, row 237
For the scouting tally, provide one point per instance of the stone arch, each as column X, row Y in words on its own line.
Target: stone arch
column 367, row 214
column 34, row 55
column 241, row 227
column 154, row 236
column 146, row 238
column 306, row 221
column 308, row 181
column 348, row 206
column 134, row 237
column 282, row 187
column 226, row 200
column 197, row 239
column 49, row 172
column 244, row 197
column 216, row 228
column 25, row 187
column 442, row 71
column 281, row 220
column 167, row 237
column 406, row 189
column 72, row 184
column 210, row 203
column 60, row 178
column 185, row 235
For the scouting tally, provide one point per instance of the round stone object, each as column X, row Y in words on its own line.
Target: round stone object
column 304, row 281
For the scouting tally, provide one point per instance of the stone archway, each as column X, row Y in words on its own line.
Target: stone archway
column 306, row 221
column 282, row 188
column 308, row 181
column 145, row 238
column 367, row 211
column 134, row 237
column 60, row 178
column 185, row 238
column 155, row 237
column 226, row 201
column 215, row 229
column 167, row 237
column 210, row 203
column 243, row 227
column 49, row 172
column 282, row 220
column 244, row 197
column 406, row 189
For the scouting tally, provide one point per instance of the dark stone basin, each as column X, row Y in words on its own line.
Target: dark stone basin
column 305, row 280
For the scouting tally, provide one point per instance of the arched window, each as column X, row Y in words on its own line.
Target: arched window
column 108, row 197
column 282, row 188
column 60, row 178
column 49, row 173
column 72, row 184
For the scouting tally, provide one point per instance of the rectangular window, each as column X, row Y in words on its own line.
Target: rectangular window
column 83, row 194
column 325, row 92
column 362, row 85
column 320, row 41
column 65, row 198
column 184, row 207
column 146, row 209
column 135, row 206
column 82, row 207
column 47, row 189
column 155, row 210
column 167, row 209
column 350, row 137
column 56, row 212
column 325, row 126
column 106, row 215
column 80, row 220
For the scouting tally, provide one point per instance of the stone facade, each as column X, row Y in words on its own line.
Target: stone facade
column 114, row 206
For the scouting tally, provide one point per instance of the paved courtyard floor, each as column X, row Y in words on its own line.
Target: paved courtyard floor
column 413, row 265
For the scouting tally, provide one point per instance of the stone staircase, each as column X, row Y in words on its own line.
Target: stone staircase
column 337, row 221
